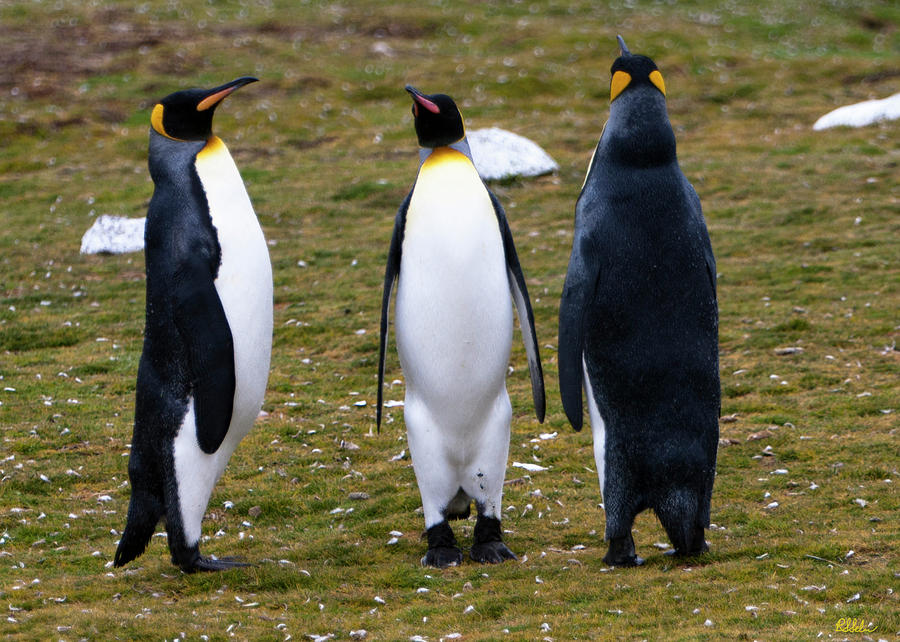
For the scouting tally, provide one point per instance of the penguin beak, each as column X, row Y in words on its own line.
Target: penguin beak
column 420, row 98
column 218, row 94
column 623, row 48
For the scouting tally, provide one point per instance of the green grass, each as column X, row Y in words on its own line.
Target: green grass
column 805, row 229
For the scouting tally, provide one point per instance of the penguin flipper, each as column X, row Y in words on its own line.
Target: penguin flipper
column 391, row 272
column 707, row 246
column 523, row 308
column 203, row 326
column 580, row 279
column 144, row 511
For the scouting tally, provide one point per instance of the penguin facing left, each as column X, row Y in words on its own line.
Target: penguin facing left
column 453, row 257
column 208, row 334
column 638, row 322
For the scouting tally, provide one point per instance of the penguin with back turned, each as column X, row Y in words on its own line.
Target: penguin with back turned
column 638, row 322
column 453, row 257
column 208, row 334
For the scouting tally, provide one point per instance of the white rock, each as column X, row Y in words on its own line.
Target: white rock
column 861, row 114
column 502, row 154
column 533, row 468
column 114, row 235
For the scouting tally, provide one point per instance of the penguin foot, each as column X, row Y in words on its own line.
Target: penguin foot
column 210, row 565
column 488, row 547
column 491, row 553
column 442, row 549
column 694, row 544
column 442, row 557
column 674, row 552
column 621, row 552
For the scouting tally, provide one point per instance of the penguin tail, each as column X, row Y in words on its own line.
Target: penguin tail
column 682, row 516
column 144, row 512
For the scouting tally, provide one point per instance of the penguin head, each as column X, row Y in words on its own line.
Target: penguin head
column 632, row 70
column 638, row 131
column 187, row 115
column 437, row 119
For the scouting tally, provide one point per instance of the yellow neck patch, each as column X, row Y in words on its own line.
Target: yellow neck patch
column 619, row 82
column 442, row 155
column 213, row 146
column 657, row 79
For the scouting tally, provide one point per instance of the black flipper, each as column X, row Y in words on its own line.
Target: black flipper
column 523, row 308
column 707, row 249
column 144, row 512
column 201, row 322
column 391, row 272
column 580, row 281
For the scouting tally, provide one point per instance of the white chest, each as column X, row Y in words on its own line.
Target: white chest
column 454, row 314
column 244, row 281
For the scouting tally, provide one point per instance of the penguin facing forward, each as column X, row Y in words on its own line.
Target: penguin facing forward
column 638, row 322
column 208, row 334
column 453, row 257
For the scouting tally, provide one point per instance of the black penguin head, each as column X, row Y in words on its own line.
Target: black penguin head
column 437, row 119
column 631, row 70
column 188, row 114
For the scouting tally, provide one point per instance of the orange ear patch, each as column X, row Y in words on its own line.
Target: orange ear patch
column 619, row 82
column 657, row 79
column 156, row 120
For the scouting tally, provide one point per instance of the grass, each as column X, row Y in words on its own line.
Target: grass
column 805, row 229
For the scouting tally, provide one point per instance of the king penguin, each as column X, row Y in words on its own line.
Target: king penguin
column 453, row 257
column 638, row 322
column 208, row 334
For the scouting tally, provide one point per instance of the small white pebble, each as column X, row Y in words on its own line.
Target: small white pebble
column 708, row 623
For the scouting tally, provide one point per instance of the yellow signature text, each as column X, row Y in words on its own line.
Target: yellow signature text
column 854, row 625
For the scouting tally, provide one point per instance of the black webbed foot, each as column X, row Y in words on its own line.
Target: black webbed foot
column 621, row 552
column 442, row 549
column 208, row 564
column 491, row 553
column 488, row 547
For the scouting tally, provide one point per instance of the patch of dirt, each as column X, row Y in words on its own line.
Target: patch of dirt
column 48, row 60
column 872, row 78
column 374, row 28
